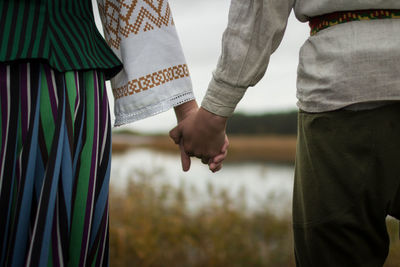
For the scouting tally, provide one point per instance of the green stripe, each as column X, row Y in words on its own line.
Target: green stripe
column 43, row 27
column 50, row 260
column 91, row 49
column 63, row 39
column 96, row 256
column 46, row 49
column 29, row 30
column 46, row 113
column 18, row 29
column 71, row 92
column 39, row 31
column 72, row 36
column 79, row 210
column 56, row 50
column 8, row 26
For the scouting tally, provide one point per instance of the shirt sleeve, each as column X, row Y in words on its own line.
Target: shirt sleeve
column 155, row 75
column 255, row 30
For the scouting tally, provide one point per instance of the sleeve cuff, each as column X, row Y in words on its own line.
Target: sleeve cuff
column 222, row 98
column 162, row 106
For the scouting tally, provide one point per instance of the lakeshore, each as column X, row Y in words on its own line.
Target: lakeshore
column 156, row 205
column 242, row 148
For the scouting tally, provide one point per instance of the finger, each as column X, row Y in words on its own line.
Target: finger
column 219, row 158
column 226, row 144
column 205, row 160
column 224, row 152
column 175, row 134
column 215, row 167
column 185, row 159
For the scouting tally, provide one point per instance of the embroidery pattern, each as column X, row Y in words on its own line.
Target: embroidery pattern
column 152, row 80
column 325, row 21
column 126, row 17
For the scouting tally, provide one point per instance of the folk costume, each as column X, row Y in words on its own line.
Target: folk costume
column 55, row 122
column 347, row 177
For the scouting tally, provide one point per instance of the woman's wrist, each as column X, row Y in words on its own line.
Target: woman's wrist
column 183, row 110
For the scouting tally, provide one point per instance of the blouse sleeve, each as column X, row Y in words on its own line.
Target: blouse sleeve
column 155, row 76
column 255, row 30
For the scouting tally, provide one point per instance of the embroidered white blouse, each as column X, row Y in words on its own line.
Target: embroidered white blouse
column 345, row 64
column 155, row 76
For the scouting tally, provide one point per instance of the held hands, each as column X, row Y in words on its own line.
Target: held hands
column 201, row 134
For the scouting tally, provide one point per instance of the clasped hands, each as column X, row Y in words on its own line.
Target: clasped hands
column 200, row 134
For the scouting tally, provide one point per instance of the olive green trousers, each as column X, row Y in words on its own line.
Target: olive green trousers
column 347, row 180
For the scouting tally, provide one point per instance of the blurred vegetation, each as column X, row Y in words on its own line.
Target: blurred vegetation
column 393, row 259
column 152, row 224
column 265, row 124
column 281, row 123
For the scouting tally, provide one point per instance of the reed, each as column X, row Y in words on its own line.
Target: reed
column 152, row 224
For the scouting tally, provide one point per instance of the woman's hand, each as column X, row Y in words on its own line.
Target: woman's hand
column 200, row 134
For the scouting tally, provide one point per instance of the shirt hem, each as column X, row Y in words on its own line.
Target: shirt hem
column 321, row 107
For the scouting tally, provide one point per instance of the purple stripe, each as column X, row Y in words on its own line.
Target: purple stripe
column 55, row 241
column 4, row 107
column 93, row 167
column 51, row 87
column 100, row 256
column 24, row 100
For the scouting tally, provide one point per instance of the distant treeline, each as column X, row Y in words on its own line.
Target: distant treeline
column 270, row 123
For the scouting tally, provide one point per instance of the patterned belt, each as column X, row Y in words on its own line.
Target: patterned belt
column 325, row 21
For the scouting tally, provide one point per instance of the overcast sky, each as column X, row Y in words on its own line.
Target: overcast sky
column 200, row 24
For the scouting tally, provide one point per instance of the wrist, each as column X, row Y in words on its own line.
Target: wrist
column 213, row 121
column 183, row 110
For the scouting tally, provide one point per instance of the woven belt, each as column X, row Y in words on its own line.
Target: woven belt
column 325, row 21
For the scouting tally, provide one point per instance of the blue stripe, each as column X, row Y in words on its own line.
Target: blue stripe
column 46, row 242
column 101, row 202
column 25, row 210
column 67, row 176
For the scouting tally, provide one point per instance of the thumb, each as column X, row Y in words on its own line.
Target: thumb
column 175, row 134
column 185, row 159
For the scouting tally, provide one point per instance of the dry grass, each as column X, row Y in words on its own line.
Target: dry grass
column 262, row 148
column 242, row 148
column 151, row 225
column 393, row 259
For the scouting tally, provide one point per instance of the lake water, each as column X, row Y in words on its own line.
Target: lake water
column 267, row 185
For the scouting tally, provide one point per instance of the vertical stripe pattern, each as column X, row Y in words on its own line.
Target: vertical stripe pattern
column 55, row 166
column 63, row 32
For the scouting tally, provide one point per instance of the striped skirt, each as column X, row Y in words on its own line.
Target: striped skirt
column 55, row 166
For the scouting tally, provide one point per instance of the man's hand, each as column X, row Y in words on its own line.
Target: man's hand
column 201, row 134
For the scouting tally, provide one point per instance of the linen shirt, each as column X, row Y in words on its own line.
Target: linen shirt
column 349, row 63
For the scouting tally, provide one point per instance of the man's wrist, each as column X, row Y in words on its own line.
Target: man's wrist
column 214, row 122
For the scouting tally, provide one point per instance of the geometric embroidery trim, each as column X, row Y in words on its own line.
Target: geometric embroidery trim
column 325, row 21
column 149, row 81
column 126, row 17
